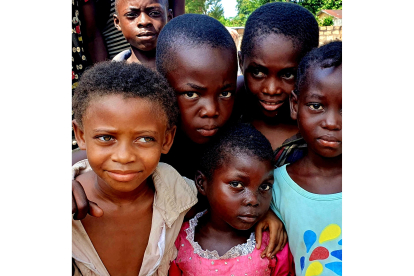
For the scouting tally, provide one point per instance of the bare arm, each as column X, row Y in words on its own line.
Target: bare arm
column 93, row 37
column 177, row 6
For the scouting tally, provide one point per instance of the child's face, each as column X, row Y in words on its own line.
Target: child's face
column 240, row 192
column 318, row 111
column 123, row 140
column 141, row 21
column 269, row 73
column 204, row 79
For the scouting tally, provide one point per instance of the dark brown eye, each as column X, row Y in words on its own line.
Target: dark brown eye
column 105, row 138
column 316, row 106
column 236, row 184
column 191, row 95
column 265, row 187
column 226, row 94
column 257, row 73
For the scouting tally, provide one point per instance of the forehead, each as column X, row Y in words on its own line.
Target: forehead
column 247, row 163
column 128, row 113
column 274, row 48
column 139, row 3
column 324, row 81
column 204, row 64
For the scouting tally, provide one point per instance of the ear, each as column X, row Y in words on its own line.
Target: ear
column 293, row 100
column 201, row 182
column 170, row 15
column 116, row 22
column 168, row 140
column 240, row 56
column 79, row 135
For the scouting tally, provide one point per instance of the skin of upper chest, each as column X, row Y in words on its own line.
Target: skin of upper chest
column 121, row 235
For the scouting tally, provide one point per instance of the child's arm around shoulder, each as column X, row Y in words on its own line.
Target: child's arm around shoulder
column 81, row 206
column 277, row 233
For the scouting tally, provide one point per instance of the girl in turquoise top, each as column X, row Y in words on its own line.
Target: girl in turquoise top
column 307, row 194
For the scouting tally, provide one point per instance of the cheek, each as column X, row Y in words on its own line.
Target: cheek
column 223, row 198
column 253, row 85
column 97, row 156
column 187, row 111
column 306, row 124
column 265, row 199
column 288, row 87
column 225, row 110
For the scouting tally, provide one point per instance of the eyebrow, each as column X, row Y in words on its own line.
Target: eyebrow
column 317, row 96
column 152, row 6
column 195, row 86
column 113, row 131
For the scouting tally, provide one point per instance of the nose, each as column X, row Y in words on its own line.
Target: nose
column 209, row 108
column 123, row 154
column 272, row 86
column 251, row 199
column 143, row 20
column 333, row 120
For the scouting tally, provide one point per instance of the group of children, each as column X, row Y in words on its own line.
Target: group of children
column 232, row 150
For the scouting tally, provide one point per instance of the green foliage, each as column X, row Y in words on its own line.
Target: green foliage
column 328, row 21
column 315, row 6
column 211, row 8
column 214, row 9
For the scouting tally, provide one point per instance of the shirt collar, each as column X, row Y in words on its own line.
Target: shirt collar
column 174, row 193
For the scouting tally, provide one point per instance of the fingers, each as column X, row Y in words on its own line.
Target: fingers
column 94, row 210
column 259, row 235
column 285, row 239
column 81, row 201
column 263, row 254
column 74, row 207
column 279, row 244
column 272, row 243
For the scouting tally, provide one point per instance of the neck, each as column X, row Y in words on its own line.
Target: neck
column 212, row 225
column 106, row 193
column 324, row 164
column 146, row 58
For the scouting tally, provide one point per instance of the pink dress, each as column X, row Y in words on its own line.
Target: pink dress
column 241, row 260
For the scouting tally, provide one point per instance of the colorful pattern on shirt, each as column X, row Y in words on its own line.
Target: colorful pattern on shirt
column 313, row 223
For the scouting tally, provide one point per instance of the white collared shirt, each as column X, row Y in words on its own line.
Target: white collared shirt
column 174, row 196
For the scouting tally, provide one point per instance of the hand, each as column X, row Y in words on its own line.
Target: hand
column 81, row 206
column 277, row 233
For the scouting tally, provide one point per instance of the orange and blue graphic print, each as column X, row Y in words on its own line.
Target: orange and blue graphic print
column 320, row 252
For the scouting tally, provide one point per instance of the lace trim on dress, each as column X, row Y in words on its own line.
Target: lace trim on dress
column 236, row 251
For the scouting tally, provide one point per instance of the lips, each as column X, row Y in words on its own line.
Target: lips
column 249, row 218
column 122, row 176
column 329, row 141
column 271, row 105
column 208, row 131
column 146, row 35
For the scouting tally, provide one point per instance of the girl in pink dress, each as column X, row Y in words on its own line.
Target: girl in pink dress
column 236, row 175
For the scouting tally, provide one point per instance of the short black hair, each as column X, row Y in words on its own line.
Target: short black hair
column 328, row 55
column 165, row 2
column 190, row 30
column 131, row 80
column 235, row 140
column 290, row 20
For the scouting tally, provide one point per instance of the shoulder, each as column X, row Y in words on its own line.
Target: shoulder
column 124, row 55
column 281, row 172
column 166, row 174
column 182, row 234
column 174, row 195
